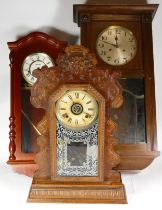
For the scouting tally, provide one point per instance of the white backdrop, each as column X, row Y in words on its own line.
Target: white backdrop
column 20, row 17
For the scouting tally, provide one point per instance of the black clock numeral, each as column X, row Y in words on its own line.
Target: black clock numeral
column 116, row 61
column 88, row 102
column 83, row 120
column 84, row 97
column 125, row 60
column 131, row 55
column 109, row 33
column 90, row 109
column 28, row 74
column 103, row 52
column 101, row 45
column 102, row 37
column 65, row 115
column 133, row 47
column 32, row 78
column 77, row 95
column 69, row 120
column 131, row 39
column 118, row 31
column 70, row 97
column 88, row 115
column 62, row 108
column 76, row 122
column 37, row 57
column 108, row 58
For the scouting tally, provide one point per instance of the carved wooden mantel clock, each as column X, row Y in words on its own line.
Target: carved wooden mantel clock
column 26, row 54
column 76, row 159
column 121, row 38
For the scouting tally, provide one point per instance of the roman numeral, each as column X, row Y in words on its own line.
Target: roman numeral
column 69, row 96
column 90, row 109
column 84, row 97
column 69, row 120
column 88, row 102
column 77, row 95
column 76, row 122
column 62, row 108
column 65, row 115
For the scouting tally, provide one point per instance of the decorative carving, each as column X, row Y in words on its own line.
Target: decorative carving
column 49, row 79
column 82, row 194
column 12, row 145
column 12, row 133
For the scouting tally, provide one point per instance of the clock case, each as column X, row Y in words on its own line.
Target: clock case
column 76, row 70
column 92, row 19
column 23, row 116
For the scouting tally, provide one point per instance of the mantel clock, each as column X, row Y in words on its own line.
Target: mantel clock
column 121, row 38
column 76, row 159
column 28, row 53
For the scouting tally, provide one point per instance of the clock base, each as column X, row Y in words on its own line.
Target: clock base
column 46, row 191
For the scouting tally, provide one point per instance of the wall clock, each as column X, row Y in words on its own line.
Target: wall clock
column 116, row 45
column 76, row 157
column 119, row 35
column 30, row 52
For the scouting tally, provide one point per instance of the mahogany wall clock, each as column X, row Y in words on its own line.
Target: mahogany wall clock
column 119, row 35
column 30, row 52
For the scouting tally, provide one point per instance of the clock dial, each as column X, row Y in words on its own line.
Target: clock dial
column 32, row 62
column 116, row 45
column 76, row 110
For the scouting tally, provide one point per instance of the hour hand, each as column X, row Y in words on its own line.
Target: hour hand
column 109, row 43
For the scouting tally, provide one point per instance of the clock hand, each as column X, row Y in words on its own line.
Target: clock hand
column 116, row 40
column 109, row 43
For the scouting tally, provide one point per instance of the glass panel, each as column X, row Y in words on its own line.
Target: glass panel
column 30, row 116
column 131, row 115
column 77, row 151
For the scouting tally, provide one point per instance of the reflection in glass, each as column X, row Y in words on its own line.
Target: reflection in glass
column 77, row 151
column 131, row 115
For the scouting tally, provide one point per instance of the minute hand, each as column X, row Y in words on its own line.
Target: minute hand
column 115, row 45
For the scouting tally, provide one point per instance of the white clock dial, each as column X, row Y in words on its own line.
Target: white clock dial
column 116, row 45
column 76, row 110
column 32, row 62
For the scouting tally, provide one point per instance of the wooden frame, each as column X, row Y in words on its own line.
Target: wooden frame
column 33, row 42
column 92, row 19
column 101, row 131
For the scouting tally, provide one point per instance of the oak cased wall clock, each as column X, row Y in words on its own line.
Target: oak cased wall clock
column 121, row 38
column 28, row 53
column 76, row 159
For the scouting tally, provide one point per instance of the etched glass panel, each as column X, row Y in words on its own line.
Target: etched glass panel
column 131, row 115
column 77, row 151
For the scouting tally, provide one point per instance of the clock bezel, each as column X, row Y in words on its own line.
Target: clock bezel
column 123, row 28
column 33, row 54
column 80, row 128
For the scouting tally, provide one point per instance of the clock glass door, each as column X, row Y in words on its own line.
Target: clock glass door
column 30, row 115
column 131, row 115
column 77, row 134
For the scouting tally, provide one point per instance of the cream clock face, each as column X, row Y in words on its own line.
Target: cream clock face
column 76, row 110
column 32, row 62
column 116, row 45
